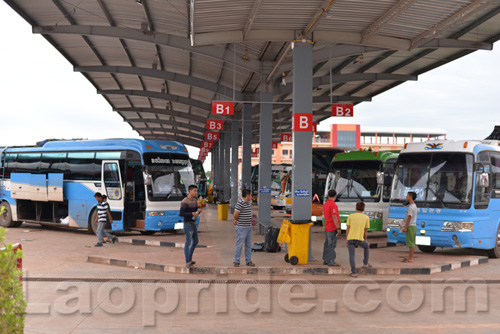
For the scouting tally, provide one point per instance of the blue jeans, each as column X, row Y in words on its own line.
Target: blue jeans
column 191, row 233
column 329, row 254
column 351, row 245
column 101, row 232
column 243, row 235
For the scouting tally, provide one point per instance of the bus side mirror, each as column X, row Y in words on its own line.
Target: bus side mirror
column 147, row 179
column 484, row 180
column 380, row 178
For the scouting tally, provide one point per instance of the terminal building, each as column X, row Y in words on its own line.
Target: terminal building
column 355, row 137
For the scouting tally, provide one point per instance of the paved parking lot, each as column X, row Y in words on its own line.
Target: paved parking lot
column 68, row 294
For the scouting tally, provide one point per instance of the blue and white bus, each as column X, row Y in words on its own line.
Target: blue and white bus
column 54, row 183
column 458, row 194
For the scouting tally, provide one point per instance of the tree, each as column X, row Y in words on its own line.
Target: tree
column 12, row 303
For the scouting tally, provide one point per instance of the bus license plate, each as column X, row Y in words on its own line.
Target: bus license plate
column 179, row 226
column 425, row 241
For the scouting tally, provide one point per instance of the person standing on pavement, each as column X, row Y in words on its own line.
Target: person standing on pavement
column 410, row 227
column 357, row 234
column 243, row 222
column 189, row 210
column 332, row 229
column 102, row 218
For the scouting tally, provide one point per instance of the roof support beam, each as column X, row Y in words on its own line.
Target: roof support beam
column 442, row 43
column 158, row 95
column 251, row 17
column 385, row 19
column 448, row 23
column 173, row 132
column 344, row 78
column 165, row 75
column 179, row 125
column 200, row 119
column 182, row 43
column 181, row 139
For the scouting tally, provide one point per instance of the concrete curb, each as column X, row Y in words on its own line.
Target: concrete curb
column 221, row 270
column 156, row 243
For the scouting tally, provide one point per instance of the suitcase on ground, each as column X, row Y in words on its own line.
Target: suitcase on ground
column 271, row 239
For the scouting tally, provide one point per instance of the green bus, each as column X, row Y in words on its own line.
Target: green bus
column 357, row 176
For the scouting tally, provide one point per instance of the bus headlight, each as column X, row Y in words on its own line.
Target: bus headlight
column 374, row 214
column 156, row 213
column 454, row 226
column 394, row 223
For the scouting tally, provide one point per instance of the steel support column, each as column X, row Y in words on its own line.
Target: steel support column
column 234, row 163
column 226, row 167
column 265, row 147
column 246, row 143
column 302, row 140
column 221, row 165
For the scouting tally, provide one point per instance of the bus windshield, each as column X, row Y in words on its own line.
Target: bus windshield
column 171, row 175
column 356, row 180
column 440, row 180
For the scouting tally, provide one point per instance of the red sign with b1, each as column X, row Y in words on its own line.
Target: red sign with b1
column 215, row 124
column 342, row 110
column 222, row 108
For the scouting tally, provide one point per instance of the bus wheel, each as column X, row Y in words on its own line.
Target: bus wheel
column 494, row 253
column 426, row 249
column 92, row 224
column 6, row 216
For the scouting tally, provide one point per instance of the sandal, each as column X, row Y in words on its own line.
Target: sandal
column 250, row 264
column 236, row 264
column 353, row 275
column 367, row 265
column 405, row 260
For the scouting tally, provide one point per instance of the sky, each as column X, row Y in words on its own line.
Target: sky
column 41, row 97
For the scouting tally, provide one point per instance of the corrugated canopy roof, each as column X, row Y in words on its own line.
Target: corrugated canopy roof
column 160, row 63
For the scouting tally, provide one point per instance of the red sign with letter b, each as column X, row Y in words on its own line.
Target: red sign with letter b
column 302, row 122
column 215, row 125
column 342, row 110
column 222, row 108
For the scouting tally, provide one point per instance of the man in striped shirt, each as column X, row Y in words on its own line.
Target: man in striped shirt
column 103, row 216
column 243, row 222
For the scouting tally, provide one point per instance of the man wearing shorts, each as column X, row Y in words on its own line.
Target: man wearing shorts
column 410, row 227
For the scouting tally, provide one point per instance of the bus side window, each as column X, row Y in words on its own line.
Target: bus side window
column 495, row 173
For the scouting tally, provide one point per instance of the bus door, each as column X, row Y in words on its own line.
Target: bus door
column 113, row 188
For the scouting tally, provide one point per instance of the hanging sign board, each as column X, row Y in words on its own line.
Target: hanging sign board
column 222, row 108
column 274, row 145
column 207, row 144
column 286, row 137
column 342, row 110
column 315, row 127
column 215, row 124
column 212, row 136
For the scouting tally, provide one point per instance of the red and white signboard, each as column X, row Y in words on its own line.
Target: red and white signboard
column 255, row 155
column 342, row 110
column 302, row 122
column 315, row 126
column 204, row 150
column 207, row 144
column 274, row 145
column 256, row 150
column 286, row 137
column 215, row 124
column 222, row 108
column 212, row 136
